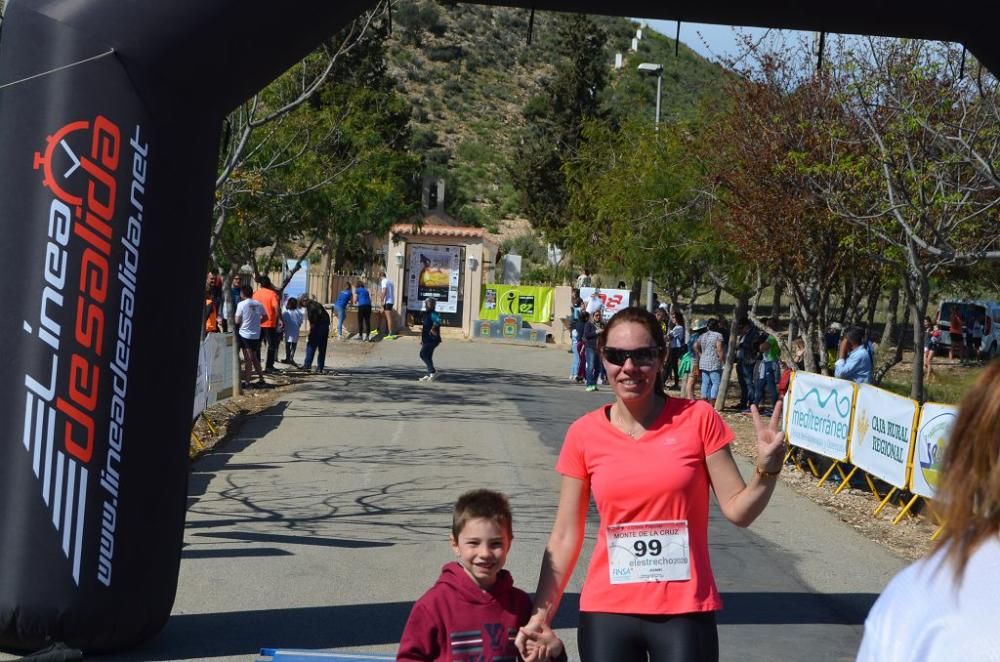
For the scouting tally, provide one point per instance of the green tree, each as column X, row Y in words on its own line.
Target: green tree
column 556, row 123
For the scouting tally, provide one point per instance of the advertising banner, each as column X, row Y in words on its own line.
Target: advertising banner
column 433, row 273
column 820, row 416
column 507, row 327
column 533, row 304
column 614, row 300
column 883, row 434
column 112, row 117
column 215, row 371
column 933, row 431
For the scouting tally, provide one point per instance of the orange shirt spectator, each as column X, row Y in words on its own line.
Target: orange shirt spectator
column 211, row 316
column 269, row 299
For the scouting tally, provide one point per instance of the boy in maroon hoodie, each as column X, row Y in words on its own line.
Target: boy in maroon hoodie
column 473, row 611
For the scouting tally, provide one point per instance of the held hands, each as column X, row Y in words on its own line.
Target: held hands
column 770, row 440
column 536, row 642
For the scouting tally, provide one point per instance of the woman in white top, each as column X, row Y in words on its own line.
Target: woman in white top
column 291, row 318
column 944, row 607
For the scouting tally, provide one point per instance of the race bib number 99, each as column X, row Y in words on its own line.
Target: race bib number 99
column 648, row 552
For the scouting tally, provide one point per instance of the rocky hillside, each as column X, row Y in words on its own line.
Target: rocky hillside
column 468, row 71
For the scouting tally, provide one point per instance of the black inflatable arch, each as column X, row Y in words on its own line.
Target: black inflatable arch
column 110, row 114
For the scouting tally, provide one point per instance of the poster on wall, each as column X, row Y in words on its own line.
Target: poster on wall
column 533, row 303
column 433, row 273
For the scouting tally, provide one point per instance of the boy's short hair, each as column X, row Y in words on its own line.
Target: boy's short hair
column 481, row 503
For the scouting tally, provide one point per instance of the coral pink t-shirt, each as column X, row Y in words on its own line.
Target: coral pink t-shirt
column 659, row 476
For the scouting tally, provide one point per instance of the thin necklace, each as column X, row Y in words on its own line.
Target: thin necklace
column 643, row 428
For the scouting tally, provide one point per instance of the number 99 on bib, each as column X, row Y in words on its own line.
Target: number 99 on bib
column 640, row 552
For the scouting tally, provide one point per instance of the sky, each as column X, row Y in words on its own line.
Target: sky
column 709, row 41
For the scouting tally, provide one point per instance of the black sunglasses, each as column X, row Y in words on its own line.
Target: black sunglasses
column 642, row 356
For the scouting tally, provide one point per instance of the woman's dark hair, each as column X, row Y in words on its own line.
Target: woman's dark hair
column 637, row 315
column 292, row 303
column 713, row 324
column 679, row 316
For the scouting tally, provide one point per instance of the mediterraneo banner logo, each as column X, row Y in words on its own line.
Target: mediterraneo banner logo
column 820, row 418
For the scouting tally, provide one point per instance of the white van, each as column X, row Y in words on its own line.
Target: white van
column 987, row 313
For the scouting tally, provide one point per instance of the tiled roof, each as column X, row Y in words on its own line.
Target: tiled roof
column 434, row 230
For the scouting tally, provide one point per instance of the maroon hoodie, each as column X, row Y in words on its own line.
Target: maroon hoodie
column 457, row 621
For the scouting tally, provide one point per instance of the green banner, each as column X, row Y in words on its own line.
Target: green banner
column 532, row 303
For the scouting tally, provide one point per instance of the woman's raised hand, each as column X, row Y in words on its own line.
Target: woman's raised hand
column 770, row 440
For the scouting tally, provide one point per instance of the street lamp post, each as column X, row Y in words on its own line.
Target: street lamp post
column 652, row 69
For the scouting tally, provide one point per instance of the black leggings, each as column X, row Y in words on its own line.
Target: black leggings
column 364, row 320
column 631, row 637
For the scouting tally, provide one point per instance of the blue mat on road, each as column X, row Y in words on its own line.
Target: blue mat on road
column 293, row 655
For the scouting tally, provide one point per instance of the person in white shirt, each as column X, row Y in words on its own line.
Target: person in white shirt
column 249, row 314
column 595, row 302
column 387, row 297
column 944, row 607
column 292, row 317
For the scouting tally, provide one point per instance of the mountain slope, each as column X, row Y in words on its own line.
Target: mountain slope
column 468, row 70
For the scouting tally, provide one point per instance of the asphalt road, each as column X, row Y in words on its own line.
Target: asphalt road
column 328, row 515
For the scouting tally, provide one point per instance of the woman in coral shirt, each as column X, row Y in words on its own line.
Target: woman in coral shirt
column 649, row 460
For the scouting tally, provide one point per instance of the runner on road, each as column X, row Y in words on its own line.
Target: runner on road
column 430, row 338
column 649, row 460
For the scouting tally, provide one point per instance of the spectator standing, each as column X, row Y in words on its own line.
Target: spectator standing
column 363, row 300
column 768, row 369
column 590, row 335
column 977, row 337
column 583, row 280
column 693, row 372
column 955, row 334
column 747, row 356
column 211, row 315
column 213, row 283
column 855, row 362
column 319, row 332
column 580, row 349
column 387, row 297
column 291, row 318
column 340, row 306
column 709, row 348
column 576, row 307
column 598, row 320
column 250, row 314
column 430, row 338
column 932, row 340
column 831, row 342
column 270, row 334
column 234, row 298
column 675, row 339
